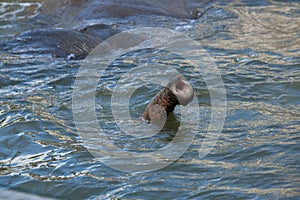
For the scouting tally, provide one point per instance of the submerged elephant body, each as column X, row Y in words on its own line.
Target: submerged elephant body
column 60, row 43
column 76, row 44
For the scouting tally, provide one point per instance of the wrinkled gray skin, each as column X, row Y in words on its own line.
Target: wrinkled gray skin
column 177, row 92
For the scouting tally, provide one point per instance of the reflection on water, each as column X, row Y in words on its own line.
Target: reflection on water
column 265, row 29
column 255, row 44
column 13, row 13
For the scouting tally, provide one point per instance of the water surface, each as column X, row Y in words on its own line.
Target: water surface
column 255, row 45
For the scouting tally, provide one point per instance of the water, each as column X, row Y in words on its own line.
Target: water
column 255, row 45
